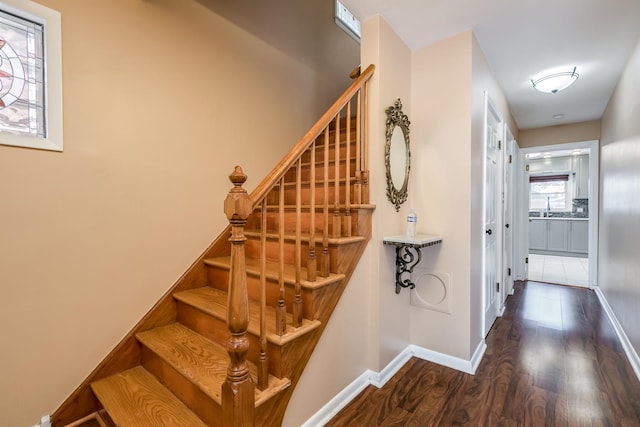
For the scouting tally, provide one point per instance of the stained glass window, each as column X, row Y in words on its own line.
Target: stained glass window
column 22, row 99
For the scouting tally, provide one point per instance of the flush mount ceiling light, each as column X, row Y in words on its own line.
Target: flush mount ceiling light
column 554, row 83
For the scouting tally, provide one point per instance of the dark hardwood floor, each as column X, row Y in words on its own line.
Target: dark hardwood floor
column 553, row 359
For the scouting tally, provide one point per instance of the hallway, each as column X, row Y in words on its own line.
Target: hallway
column 552, row 359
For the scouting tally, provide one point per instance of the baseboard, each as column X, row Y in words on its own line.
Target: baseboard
column 45, row 421
column 468, row 366
column 368, row 377
column 379, row 379
column 340, row 400
column 393, row 367
column 634, row 360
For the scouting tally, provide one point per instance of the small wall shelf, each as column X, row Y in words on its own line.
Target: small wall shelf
column 405, row 258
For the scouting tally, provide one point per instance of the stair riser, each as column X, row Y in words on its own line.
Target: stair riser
column 305, row 194
column 343, row 133
column 336, row 252
column 254, row 221
column 305, row 173
column 219, row 278
column 252, row 250
column 216, row 330
column 192, row 396
column 306, row 157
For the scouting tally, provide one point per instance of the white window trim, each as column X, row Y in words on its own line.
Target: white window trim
column 53, row 75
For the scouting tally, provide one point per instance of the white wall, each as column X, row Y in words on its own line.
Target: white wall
column 619, row 235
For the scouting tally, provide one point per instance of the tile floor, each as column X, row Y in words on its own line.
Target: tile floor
column 559, row 269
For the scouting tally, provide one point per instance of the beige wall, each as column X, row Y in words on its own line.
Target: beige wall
column 389, row 314
column 449, row 79
column 482, row 82
column 619, row 234
column 155, row 99
column 560, row 134
column 377, row 318
column 441, row 139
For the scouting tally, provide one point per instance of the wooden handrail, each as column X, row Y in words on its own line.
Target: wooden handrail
column 281, row 168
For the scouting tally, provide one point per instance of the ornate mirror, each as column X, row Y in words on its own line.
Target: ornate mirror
column 397, row 155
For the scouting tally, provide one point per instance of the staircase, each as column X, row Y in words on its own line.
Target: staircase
column 228, row 343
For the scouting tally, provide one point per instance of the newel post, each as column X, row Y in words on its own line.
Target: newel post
column 238, row 400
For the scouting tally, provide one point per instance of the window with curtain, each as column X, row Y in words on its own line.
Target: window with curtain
column 550, row 191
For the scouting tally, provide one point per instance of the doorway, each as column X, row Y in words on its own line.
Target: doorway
column 559, row 210
column 493, row 214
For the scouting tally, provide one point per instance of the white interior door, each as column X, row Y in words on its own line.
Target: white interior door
column 492, row 213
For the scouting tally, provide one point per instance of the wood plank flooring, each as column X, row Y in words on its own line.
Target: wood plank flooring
column 553, row 359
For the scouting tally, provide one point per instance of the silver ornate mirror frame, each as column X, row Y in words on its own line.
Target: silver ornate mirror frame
column 396, row 119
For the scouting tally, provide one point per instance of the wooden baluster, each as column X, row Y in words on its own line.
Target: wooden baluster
column 297, row 304
column 346, row 229
column 238, row 400
column 365, row 149
column 311, row 261
column 357, row 186
column 281, row 309
column 324, row 260
column 336, row 202
column 263, row 366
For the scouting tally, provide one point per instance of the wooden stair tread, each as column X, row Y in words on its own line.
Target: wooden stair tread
column 214, row 302
column 273, row 268
column 202, row 361
column 272, row 235
column 135, row 398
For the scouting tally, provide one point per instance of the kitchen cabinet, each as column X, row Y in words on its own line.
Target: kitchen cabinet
column 552, row 164
column 578, row 241
column 581, row 169
column 558, row 236
column 578, row 165
column 538, row 234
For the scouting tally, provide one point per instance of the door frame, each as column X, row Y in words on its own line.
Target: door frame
column 594, row 197
column 509, row 218
column 521, row 217
column 490, row 108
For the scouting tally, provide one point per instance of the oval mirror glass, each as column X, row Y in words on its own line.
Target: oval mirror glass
column 397, row 156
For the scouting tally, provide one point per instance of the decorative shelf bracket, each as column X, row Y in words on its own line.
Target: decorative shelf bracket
column 408, row 255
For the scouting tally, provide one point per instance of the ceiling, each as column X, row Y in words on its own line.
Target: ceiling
column 523, row 38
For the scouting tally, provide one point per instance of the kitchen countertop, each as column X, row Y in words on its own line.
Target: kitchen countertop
column 560, row 218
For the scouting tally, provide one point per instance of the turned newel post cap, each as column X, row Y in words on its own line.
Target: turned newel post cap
column 237, row 205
